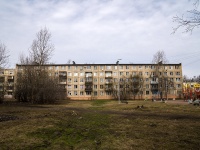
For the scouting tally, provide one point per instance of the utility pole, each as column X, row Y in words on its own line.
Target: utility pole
column 118, row 80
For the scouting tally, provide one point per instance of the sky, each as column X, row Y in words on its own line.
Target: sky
column 101, row 31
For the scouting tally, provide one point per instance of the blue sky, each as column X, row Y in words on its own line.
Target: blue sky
column 101, row 31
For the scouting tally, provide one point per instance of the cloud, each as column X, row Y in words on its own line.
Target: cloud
column 100, row 31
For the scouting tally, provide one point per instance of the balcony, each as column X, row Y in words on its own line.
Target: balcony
column 62, row 82
column 10, row 77
column 108, row 89
column 154, row 82
column 88, row 89
column 108, row 76
column 9, row 90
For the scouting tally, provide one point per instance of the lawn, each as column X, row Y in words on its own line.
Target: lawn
column 99, row 124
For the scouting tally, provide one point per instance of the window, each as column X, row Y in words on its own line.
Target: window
column 101, row 93
column 178, row 79
column 56, row 74
column 81, row 79
column 69, row 80
column 82, row 74
column 49, row 74
column 146, row 73
column 63, row 67
column 115, row 67
column 147, row 92
column 75, row 74
column 140, row 73
column 115, row 73
column 69, row 93
column 101, row 79
column 88, row 92
column 69, row 67
column 146, row 67
column 140, row 67
column 101, row 73
column 178, row 86
column 101, row 67
column 88, row 67
column 69, row 86
column 81, row 93
column 50, row 67
column 95, row 93
column 171, row 67
column 95, row 79
column 75, row 86
column 56, row 67
column 75, row 67
column 101, row 86
column 69, row 74
column 120, row 67
column 134, row 73
column 171, row 73
column 152, row 67
column 108, row 93
column 81, row 86
column 108, row 67
column 147, row 79
column 127, row 73
column 147, row 86
column 95, row 86
column 127, row 67
column 121, row 73
column 95, row 73
column 95, row 68
column 178, row 73
column 75, row 93
column 176, row 67
column 134, row 67
column 75, row 80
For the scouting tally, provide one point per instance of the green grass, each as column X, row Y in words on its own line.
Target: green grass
column 99, row 102
column 81, row 125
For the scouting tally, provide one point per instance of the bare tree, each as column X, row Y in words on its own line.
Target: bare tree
column 3, row 55
column 42, row 48
column 188, row 23
column 160, row 81
column 3, row 62
column 136, row 83
column 159, row 57
column 129, row 87
column 34, row 82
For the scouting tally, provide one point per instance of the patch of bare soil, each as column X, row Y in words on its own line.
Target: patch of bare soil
column 7, row 118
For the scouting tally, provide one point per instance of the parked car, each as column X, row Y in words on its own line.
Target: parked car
column 196, row 102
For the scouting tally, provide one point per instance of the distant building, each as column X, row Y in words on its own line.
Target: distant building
column 92, row 81
column 7, row 82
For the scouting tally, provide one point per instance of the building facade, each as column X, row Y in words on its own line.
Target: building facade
column 97, row 81
column 7, row 82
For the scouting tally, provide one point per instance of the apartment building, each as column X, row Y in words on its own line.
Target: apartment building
column 93, row 81
column 7, row 82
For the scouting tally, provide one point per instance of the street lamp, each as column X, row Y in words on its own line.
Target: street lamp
column 118, row 80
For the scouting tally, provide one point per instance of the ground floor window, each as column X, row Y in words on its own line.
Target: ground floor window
column 95, row 93
column 75, row 93
column 88, row 93
column 147, row 92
